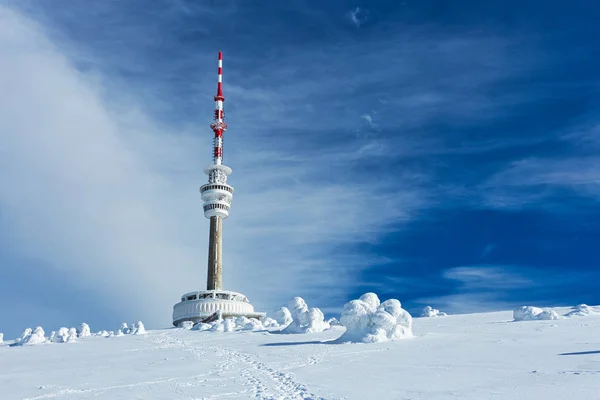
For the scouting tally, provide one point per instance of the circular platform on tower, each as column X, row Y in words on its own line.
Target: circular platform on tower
column 202, row 305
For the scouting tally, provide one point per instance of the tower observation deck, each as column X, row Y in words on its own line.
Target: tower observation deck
column 217, row 195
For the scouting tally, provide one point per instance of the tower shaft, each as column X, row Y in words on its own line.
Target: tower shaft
column 215, row 261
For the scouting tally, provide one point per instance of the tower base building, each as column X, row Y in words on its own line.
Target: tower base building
column 214, row 302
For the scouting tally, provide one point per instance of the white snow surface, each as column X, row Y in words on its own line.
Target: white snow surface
column 530, row 313
column 369, row 321
column 304, row 319
column 466, row 357
column 432, row 312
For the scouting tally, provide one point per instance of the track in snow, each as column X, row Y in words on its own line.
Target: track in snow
column 262, row 381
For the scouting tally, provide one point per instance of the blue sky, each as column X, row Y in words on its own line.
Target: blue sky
column 441, row 153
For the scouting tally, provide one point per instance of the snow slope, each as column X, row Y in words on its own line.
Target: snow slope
column 476, row 356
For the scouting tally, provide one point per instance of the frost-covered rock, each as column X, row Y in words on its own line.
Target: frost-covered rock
column 84, row 330
column 530, row 313
column 29, row 337
column 138, row 328
column 305, row 320
column 432, row 312
column 367, row 320
column 283, row 316
column 580, row 310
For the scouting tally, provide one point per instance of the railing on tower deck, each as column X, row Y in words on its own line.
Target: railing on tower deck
column 217, row 187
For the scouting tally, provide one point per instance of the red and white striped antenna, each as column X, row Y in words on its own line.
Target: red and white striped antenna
column 219, row 126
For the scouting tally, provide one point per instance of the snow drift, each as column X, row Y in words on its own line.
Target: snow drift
column 432, row 312
column 304, row 320
column 530, row 313
column 368, row 321
column 580, row 310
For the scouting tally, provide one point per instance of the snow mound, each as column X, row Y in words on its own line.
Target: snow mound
column 530, row 313
column 432, row 312
column 84, row 330
column 333, row 321
column 29, row 337
column 368, row 321
column 305, row 320
column 103, row 333
column 580, row 310
column 283, row 316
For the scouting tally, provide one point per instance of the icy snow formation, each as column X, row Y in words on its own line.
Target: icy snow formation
column 30, row 337
column 432, row 312
column 138, row 329
column 124, row 329
column 187, row 325
column 305, row 320
column 530, row 313
column 367, row 320
column 84, row 330
column 283, row 316
column 1, row 337
column 64, row 335
column 268, row 322
column 333, row 321
column 580, row 310
column 240, row 323
column 300, row 320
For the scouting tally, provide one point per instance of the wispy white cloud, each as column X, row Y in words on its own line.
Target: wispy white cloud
column 487, row 277
column 541, row 182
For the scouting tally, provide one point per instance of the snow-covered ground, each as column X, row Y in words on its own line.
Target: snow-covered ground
column 475, row 356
